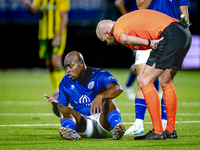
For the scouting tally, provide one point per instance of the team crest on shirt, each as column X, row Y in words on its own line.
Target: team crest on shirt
column 91, row 85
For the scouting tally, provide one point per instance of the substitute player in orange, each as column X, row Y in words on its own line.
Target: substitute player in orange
column 170, row 41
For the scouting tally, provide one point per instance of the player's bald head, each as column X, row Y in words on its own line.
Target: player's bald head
column 74, row 65
column 74, row 56
column 103, row 27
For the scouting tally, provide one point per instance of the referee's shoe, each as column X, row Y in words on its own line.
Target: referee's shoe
column 171, row 135
column 151, row 136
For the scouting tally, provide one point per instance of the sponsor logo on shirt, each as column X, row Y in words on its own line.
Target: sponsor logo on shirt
column 47, row 7
column 136, row 47
column 85, row 100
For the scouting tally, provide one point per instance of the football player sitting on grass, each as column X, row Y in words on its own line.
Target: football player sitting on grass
column 90, row 92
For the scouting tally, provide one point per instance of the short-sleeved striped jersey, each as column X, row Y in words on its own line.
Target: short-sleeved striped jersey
column 49, row 23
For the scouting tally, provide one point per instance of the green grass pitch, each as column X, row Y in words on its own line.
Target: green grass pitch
column 27, row 121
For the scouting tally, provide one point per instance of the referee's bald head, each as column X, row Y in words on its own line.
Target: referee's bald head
column 103, row 27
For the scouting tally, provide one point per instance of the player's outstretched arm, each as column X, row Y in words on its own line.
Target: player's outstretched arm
column 50, row 99
column 114, row 89
column 121, row 6
column 54, row 103
column 32, row 9
column 63, row 23
column 143, row 4
column 184, row 10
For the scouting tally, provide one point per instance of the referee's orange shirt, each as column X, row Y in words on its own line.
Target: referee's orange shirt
column 147, row 24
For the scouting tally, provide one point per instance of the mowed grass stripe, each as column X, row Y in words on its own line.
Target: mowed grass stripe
column 31, row 125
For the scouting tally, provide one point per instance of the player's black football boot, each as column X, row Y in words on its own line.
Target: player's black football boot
column 151, row 136
column 171, row 135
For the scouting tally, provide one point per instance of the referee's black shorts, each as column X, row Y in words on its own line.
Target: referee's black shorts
column 172, row 49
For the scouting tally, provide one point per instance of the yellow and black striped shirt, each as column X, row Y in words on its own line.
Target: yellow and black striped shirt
column 49, row 23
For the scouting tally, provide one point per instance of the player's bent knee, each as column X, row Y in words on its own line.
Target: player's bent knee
column 90, row 130
column 109, row 105
column 64, row 110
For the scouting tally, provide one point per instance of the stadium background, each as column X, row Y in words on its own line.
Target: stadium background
column 19, row 32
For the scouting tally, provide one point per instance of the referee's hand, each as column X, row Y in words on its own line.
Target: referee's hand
column 154, row 43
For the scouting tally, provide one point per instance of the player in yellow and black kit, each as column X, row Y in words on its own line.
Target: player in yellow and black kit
column 52, row 34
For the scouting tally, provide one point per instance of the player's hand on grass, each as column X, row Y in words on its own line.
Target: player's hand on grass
column 96, row 105
column 50, row 99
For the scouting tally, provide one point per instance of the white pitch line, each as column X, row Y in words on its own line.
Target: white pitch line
column 176, row 122
column 24, row 102
column 34, row 125
column 185, row 104
column 28, row 125
column 7, row 102
column 177, row 114
column 27, row 114
column 51, row 114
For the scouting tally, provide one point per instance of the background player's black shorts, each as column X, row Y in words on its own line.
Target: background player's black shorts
column 172, row 49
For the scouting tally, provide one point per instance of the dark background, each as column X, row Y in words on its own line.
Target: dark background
column 19, row 34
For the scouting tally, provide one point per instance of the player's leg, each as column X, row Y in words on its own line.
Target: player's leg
column 140, row 109
column 109, row 124
column 45, row 52
column 128, row 89
column 72, row 123
column 57, row 71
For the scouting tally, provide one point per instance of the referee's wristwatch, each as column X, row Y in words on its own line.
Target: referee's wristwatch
column 149, row 42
